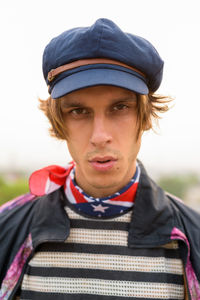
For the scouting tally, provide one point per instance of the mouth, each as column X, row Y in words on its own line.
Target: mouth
column 103, row 163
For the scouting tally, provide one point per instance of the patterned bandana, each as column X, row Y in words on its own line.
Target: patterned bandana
column 51, row 178
column 110, row 206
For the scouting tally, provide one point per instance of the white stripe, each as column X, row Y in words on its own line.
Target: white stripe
column 124, row 218
column 120, row 203
column 50, row 186
column 75, row 216
column 107, row 262
column 98, row 237
column 68, row 191
column 89, row 199
column 102, row 287
column 138, row 175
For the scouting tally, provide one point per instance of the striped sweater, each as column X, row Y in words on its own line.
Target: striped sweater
column 95, row 263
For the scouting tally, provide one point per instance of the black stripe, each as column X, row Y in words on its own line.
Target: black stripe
column 26, row 295
column 108, row 249
column 89, row 224
column 105, row 274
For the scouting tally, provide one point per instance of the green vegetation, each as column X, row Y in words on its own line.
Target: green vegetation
column 178, row 184
column 10, row 189
column 17, row 184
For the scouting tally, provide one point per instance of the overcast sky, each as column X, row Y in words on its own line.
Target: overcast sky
column 26, row 27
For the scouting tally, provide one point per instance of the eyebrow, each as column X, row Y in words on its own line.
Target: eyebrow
column 68, row 104
column 74, row 103
column 126, row 99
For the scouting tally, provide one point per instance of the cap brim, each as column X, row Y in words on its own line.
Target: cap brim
column 94, row 77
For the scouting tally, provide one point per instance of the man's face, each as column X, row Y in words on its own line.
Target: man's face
column 101, row 124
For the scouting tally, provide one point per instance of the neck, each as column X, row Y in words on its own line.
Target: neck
column 104, row 188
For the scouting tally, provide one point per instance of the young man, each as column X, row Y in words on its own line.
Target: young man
column 100, row 228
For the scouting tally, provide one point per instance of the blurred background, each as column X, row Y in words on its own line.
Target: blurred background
column 171, row 155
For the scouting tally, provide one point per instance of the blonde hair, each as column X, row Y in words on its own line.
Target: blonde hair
column 148, row 109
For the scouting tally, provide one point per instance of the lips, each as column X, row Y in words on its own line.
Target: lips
column 103, row 163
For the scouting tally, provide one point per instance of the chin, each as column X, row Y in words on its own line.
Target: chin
column 104, row 183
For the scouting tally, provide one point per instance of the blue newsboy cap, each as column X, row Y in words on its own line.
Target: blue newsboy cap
column 101, row 55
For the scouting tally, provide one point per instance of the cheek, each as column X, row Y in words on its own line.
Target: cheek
column 77, row 131
column 127, row 131
column 77, row 147
column 130, row 141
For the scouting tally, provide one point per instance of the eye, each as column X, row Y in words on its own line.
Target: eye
column 120, row 106
column 78, row 111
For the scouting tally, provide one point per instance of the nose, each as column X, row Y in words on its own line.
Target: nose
column 100, row 136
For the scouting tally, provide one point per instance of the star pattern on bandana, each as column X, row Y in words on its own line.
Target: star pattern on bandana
column 100, row 208
column 110, row 206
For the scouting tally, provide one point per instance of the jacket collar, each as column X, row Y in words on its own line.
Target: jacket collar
column 151, row 224
column 50, row 221
column 152, row 219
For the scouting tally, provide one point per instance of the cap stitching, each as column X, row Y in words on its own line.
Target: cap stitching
column 100, row 39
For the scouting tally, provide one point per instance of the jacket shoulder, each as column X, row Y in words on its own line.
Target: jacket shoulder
column 189, row 220
column 15, row 222
column 17, row 202
column 185, row 212
column 29, row 215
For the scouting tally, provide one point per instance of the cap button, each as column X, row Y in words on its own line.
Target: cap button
column 50, row 76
